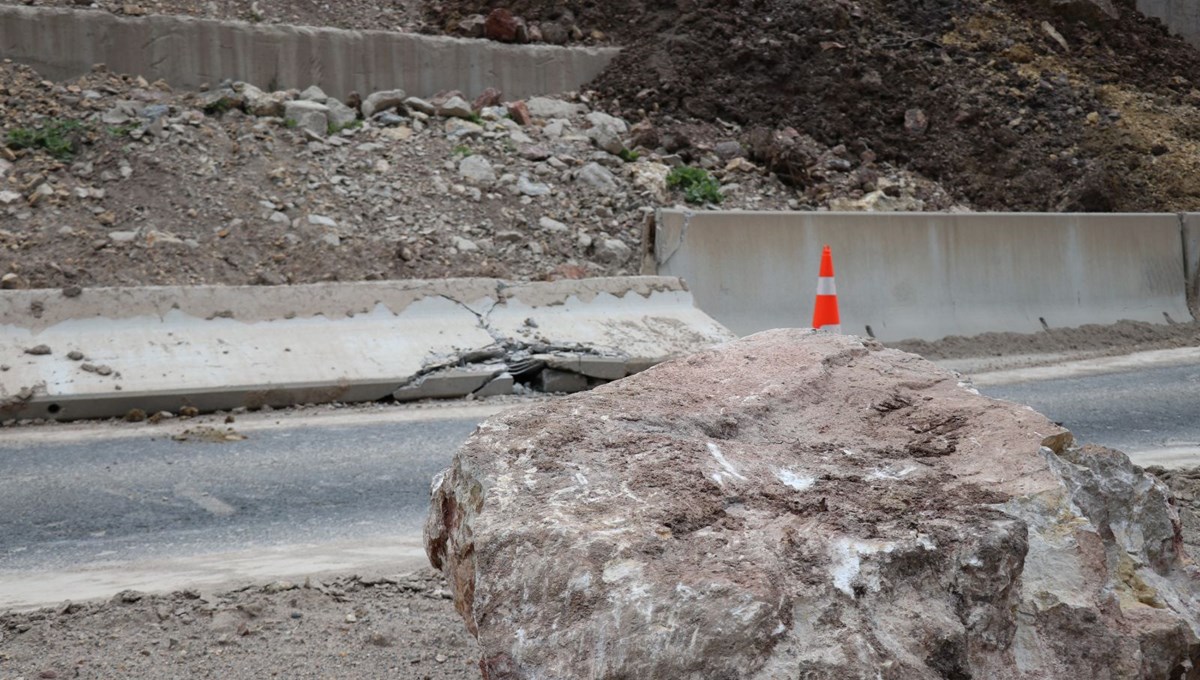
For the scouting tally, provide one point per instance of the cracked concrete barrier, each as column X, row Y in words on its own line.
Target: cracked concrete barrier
column 927, row 275
column 110, row 350
column 187, row 52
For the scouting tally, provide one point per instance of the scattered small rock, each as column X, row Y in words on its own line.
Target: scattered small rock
column 476, row 169
column 502, row 26
column 598, row 177
column 455, row 107
column 38, row 350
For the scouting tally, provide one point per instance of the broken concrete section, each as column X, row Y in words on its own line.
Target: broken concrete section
column 797, row 504
column 214, row 347
column 569, row 336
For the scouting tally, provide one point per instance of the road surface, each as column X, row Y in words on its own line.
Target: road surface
column 88, row 510
column 1151, row 411
column 96, row 508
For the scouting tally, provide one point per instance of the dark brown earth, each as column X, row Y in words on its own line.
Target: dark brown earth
column 998, row 110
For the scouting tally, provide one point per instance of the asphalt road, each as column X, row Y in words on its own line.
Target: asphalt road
column 87, row 505
column 1151, row 413
column 88, row 510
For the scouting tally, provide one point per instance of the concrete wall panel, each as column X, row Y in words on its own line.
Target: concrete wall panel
column 924, row 275
column 187, row 52
column 1191, row 259
column 1181, row 16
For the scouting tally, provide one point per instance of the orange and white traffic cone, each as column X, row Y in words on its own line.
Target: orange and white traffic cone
column 825, row 312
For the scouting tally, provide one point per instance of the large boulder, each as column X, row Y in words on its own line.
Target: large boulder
column 804, row 505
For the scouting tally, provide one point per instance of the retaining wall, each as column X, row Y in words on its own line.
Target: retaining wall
column 188, row 52
column 927, row 275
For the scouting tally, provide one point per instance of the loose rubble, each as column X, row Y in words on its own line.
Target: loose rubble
column 798, row 503
column 367, row 626
column 117, row 181
column 1082, row 105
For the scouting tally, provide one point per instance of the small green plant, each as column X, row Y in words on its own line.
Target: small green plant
column 475, row 118
column 121, row 130
column 629, row 155
column 462, row 151
column 291, row 123
column 219, row 106
column 59, row 137
column 697, row 185
column 334, row 128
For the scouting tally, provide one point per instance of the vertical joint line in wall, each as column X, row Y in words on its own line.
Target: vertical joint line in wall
column 687, row 222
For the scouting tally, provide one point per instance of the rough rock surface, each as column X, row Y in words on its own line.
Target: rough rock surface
column 805, row 505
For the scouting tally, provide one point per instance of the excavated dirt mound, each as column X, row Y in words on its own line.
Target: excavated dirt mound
column 1012, row 105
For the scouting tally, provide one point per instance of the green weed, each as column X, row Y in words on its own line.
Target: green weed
column 334, row 128
column 59, row 137
column 697, row 185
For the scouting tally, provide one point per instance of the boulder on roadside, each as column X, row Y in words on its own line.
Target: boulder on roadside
column 339, row 114
column 385, row 100
column 547, row 108
column 472, row 26
column 489, row 97
column 308, row 115
column 259, row 103
column 519, row 113
column 802, row 504
column 455, row 107
column 501, row 25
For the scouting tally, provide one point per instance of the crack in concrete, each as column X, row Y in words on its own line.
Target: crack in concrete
column 515, row 354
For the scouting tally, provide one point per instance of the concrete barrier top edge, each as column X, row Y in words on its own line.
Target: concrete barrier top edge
column 270, row 28
column 872, row 214
column 44, row 307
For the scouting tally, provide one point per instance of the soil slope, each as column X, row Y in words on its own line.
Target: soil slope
column 1013, row 105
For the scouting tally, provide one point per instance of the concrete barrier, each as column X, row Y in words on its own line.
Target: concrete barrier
column 1191, row 260
column 1182, row 17
column 924, row 275
column 114, row 349
column 188, row 52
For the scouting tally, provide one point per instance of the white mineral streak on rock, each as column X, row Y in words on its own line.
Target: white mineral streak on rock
column 797, row 482
column 720, row 458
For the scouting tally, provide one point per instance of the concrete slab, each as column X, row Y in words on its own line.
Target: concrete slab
column 212, row 347
column 498, row 387
column 603, row 368
column 555, row 381
column 454, row 382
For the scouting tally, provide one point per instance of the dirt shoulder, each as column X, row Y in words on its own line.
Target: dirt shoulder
column 350, row 627
column 1018, row 350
